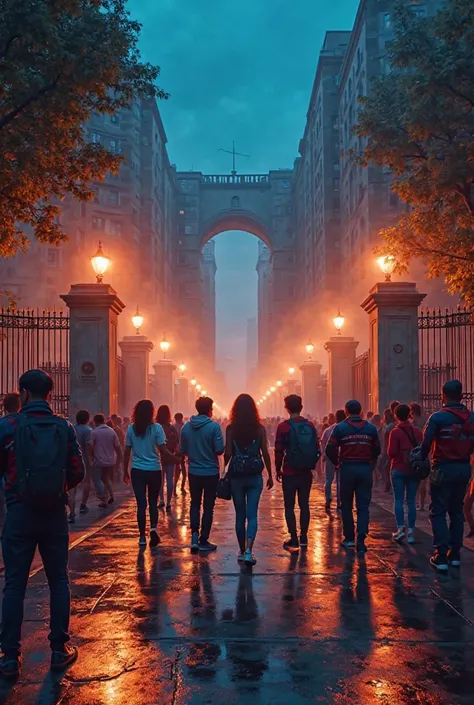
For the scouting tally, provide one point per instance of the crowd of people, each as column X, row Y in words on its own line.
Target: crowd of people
column 45, row 460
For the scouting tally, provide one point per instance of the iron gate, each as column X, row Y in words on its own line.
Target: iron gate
column 361, row 380
column 33, row 339
column 446, row 352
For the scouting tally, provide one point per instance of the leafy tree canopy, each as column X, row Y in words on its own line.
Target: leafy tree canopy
column 419, row 123
column 60, row 61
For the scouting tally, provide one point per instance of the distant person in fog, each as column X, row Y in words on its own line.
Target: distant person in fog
column 180, row 469
column 246, row 453
column 163, row 417
column 330, row 469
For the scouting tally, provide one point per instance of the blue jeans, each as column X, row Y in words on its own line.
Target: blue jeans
column 168, row 473
column 330, row 473
column 448, row 488
column 24, row 530
column 356, row 480
column 246, row 493
column 403, row 484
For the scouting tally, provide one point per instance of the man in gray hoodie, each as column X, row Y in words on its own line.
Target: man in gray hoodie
column 202, row 442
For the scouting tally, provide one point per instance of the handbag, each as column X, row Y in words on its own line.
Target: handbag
column 419, row 469
column 223, row 488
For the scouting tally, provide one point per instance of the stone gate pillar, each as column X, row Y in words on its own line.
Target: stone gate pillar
column 311, row 380
column 393, row 342
column 164, row 383
column 94, row 311
column 136, row 358
column 182, row 396
column 341, row 356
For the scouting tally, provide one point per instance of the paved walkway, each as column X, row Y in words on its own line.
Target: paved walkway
column 320, row 626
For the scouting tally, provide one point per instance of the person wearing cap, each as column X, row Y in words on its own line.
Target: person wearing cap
column 448, row 440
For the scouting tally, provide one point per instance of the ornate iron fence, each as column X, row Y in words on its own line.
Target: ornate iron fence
column 361, row 380
column 446, row 352
column 35, row 339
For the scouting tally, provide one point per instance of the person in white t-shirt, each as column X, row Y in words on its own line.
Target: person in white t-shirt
column 146, row 444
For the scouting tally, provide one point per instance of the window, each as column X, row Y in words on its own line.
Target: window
column 52, row 258
column 387, row 20
column 98, row 223
column 116, row 146
column 113, row 197
column 95, row 137
column 419, row 11
column 114, row 227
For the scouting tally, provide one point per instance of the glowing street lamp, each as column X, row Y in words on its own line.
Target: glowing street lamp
column 338, row 321
column 268, row 392
column 273, row 389
column 279, row 383
column 182, row 369
column 310, row 349
column 137, row 320
column 193, row 382
column 387, row 265
column 165, row 346
column 291, row 371
column 204, row 393
column 100, row 263
column 198, row 387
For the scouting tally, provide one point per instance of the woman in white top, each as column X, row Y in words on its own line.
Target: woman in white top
column 146, row 443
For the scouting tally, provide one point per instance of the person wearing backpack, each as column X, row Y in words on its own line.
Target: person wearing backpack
column 202, row 442
column 297, row 452
column 246, row 453
column 403, row 438
column 163, row 417
column 41, row 461
column 448, row 440
column 354, row 447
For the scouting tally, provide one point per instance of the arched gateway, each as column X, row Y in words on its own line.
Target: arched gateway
column 261, row 204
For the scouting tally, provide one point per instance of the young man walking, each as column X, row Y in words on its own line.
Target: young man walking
column 449, row 439
column 202, row 442
column 41, row 461
column 84, row 438
column 180, row 469
column 354, row 447
column 329, row 468
column 108, row 456
column 297, row 452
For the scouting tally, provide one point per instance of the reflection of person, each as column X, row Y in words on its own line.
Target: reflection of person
column 246, row 444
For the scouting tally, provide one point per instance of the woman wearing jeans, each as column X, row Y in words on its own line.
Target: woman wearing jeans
column 163, row 418
column 146, row 443
column 246, row 444
column 403, row 438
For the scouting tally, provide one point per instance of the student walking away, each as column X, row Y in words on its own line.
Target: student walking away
column 329, row 468
column 146, row 444
column 246, row 453
column 41, row 461
column 180, row 469
column 448, row 439
column 84, row 438
column 354, row 447
column 417, row 419
column 403, row 438
column 107, row 457
column 11, row 403
column 297, row 452
column 202, row 442
column 163, row 417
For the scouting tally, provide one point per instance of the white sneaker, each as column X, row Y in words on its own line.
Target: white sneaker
column 241, row 557
column 249, row 558
column 399, row 535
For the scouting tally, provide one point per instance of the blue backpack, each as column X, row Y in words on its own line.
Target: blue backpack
column 303, row 452
column 246, row 462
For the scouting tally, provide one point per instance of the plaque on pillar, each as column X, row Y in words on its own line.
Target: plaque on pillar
column 136, row 359
column 393, row 342
column 94, row 311
column 341, row 356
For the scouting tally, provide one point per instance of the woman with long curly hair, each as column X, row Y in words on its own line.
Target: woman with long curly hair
column 246, row 453
column 146, row 443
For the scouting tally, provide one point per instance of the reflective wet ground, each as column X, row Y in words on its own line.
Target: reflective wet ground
column 322, row 626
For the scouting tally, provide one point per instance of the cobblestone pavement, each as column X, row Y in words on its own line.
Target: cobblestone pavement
column 322, row 626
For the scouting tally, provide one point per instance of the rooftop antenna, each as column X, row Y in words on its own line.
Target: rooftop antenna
column 234, row 154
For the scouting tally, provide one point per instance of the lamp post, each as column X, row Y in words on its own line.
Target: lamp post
column 182, row 369
column 193, row 382
column 338, row 321
column 100, row 263
column 291, row 371
column 165, row 346
column 310, row 350
column 387, row 265
column 137, row 320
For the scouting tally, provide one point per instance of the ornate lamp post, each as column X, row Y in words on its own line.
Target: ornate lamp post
column 165, row 346
column 338, row 321
column 310, row 350
column 137, row 320
column 387, row 265
column 100, row 263
column 182, row 369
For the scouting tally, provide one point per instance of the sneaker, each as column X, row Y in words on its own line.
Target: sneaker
column 249, row 557
column 195, row 543
column 411, row 537
column 399, row 535
column 346, row 543
column 304, row 540
column 10, row 667
column 110, row 500
column 84, row 509
column 72, row 519
column 168, row 508
column 241, row 557
column 142, row 541
column 64, row 658
column 439, row 562
column 361, row 547
column 206, row 546
column 161, row 505
column 454, row 558
column 154, row 538
column 292, row 545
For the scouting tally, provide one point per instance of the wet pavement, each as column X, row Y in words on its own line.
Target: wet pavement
column 321, row 626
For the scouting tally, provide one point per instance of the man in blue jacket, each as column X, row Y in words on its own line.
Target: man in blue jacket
column 202, row 442
column 449, row 440
column 354, row 447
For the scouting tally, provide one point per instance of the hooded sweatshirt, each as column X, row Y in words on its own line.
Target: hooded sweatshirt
column 202, row 442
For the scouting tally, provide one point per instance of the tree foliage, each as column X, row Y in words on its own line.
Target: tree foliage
column 419, row 123
column 60, row 62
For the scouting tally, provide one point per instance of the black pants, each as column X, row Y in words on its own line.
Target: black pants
column 200, row 485
column 356, row 481
column 143, row 481
column 297, row 485
column 24, row 530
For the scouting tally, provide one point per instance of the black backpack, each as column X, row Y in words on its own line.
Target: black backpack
column 303, row 452
column 41, row 446
column 247, row 462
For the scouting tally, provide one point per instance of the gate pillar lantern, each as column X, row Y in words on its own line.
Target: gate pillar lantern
column 136, row 358
column 393, row 342
column 164, row 386
column 94, row 311
column 310, row 383
column 341, row 356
